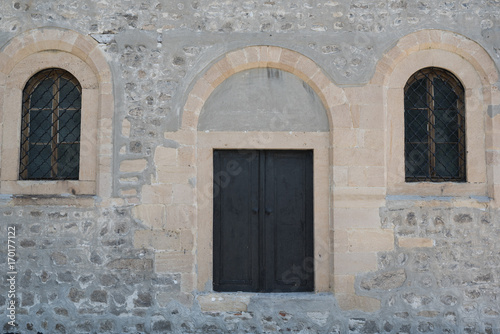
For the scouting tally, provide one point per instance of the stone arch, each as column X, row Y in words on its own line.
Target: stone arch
column 42, row 48
column 261, row 57
column 55, row 39
column 431, row 39
column 204, row 142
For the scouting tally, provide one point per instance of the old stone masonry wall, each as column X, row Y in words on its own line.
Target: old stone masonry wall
column 128, row 256
column 78, row 272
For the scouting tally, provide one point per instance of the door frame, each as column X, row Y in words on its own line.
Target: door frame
column 318, row 142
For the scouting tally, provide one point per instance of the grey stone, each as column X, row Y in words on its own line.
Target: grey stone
column 57, row 215
column 136, row 147
column 61, row 311
column 26, row 278
column 411, row 219
column 143, row 299
column 75, row 295
column 425, row 327
column 99, row 296
column 95, row 258
column 449, row 300
column 162, row 326
column 66, row 276
column 28, row 299
column 109, row 280
column 106, row 326
column 416, row 300
column 428, row 314
column 463, row 218
column 103, row 38
column 359, row 325
column 35, row 228
column 131, row 264
column 405, row 329
column 60, row 328
column 27, row 243
column 473, row 294
column 85, row 326
column 59, row 258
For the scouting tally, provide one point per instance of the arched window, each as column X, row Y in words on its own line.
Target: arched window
column 434, row 127
column 50, row 127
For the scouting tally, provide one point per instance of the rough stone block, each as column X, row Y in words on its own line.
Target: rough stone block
column 143, row 299
column 126, row 128
column 370, row 240
column 407, row 242
column 341, row 116
column 340, row 241
column 344, row 284
column 133, row 166
column 174, row 262
column 172, row 174
column 340, row 176
column 354, row 263
column 346, row 218
column 186, row 156
column 223, row 302
column 165, row 156
column 354, row 302
column 131, row 264
column 152, row 215
column 158, row 239
column 385, row 281
column 183, row 194
column 345, row 138
column 164, row 298
column 157, row 194
column 180, row 216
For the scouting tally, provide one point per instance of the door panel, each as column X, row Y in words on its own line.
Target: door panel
column 235, row 221
column 289, row 242
column 263, row 221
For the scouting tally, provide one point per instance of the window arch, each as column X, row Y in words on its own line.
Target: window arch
column 434, row 119
column 28, row 55
column 50, row 127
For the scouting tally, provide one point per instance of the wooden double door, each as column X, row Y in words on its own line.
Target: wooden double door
column 263, row 220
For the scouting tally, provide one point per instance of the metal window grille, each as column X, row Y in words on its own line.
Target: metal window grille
column 50, row 127
column 434, row 127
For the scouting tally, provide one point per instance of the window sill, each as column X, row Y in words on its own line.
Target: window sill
column 59, row 188
column 239, row 301
column 453, row 189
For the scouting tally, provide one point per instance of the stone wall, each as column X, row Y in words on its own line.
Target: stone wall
column 78, row 272
column 132, row 253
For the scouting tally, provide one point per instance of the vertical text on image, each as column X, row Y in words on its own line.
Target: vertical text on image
column 11, row 274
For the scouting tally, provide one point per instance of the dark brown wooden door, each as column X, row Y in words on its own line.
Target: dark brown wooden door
column 263, row 221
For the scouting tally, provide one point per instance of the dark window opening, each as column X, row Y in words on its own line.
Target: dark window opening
column 50, row 127
column 434, row 127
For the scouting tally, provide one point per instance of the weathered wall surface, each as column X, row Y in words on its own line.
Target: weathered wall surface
column 127, row 262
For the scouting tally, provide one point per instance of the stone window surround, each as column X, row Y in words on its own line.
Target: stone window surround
column 22, row 58
column 476, row 71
